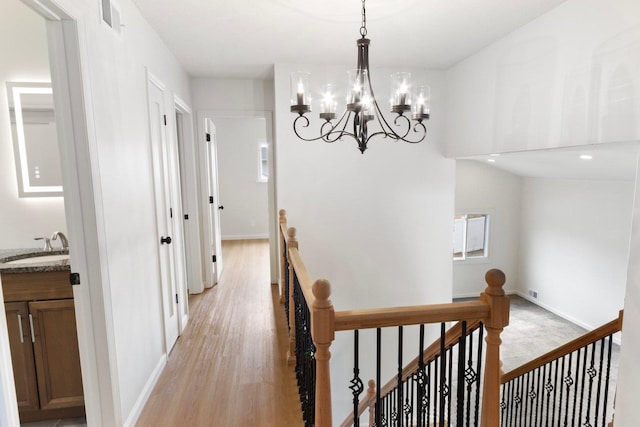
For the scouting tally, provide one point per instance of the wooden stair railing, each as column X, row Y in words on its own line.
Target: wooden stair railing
column 565, row 384
column 313, row 324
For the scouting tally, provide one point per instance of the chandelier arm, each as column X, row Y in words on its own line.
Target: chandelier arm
column 340, row 132
column 323, row 136
column 387, row 130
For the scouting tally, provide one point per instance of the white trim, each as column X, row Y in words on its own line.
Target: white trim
column 137, row 408
column 68, row 54
column 271, row 183
column 245, row 237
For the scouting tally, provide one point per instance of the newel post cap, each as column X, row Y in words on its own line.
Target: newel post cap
column 283, row 215
column 495, row 281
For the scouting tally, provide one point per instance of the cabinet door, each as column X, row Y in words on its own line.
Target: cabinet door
column 56, row 354
column 24, row 371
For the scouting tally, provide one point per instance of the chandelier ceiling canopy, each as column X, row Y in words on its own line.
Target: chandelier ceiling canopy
column 362, row 118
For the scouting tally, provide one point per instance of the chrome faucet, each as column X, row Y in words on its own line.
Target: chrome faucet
column 63, row 239
column 47, row 243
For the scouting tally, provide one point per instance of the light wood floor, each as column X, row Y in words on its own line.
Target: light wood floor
column 228, row 368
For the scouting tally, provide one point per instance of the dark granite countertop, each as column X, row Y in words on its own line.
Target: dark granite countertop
column 7, row 255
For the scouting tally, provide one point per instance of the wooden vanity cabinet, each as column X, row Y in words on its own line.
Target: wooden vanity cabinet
column 44, row 345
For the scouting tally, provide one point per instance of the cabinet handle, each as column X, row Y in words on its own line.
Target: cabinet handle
column 20, row 329
column 33, row 336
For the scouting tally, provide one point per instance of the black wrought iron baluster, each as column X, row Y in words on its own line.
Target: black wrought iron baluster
column 601, row 360
column 449, row 384
column 436, row 391
column 562, row 387
column 378, row 378
column 583, row 385
column 421, row 380
column 443, row 376
column 287, row 295
column 555, row 391
column 430, row 365
column 356, row 386
column 460, row 383
column 575, row 391
column 535, row 395
column 399, row 396
column 409, row 402
column 525, row 400
column 479, row 372
column 519, row 406
column 305, row 355
column 568, row 381
column 606, row 382
column 468, row 377
column 592, row 372
column 548, row 388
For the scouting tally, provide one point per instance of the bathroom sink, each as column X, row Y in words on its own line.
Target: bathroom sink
column 39, row 259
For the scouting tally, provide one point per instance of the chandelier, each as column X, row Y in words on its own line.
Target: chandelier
column 362, row 110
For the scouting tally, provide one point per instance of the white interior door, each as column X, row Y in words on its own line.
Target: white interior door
column 215, row 205
column 162, row 186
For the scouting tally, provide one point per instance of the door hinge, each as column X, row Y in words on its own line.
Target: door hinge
column 165, row 119
column 186, row 216
column 214, row 258
column 176, row 298
column 74, row 279
column 208, row 137
column 170, row 212
column 211, row 199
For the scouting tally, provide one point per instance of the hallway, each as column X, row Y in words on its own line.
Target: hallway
column 228, row 368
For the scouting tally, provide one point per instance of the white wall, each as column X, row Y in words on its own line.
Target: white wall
column 485, row 189
column 376, row 225
column 220, row 97
column 629, row 377
column 245, row 214
column 23, row 43
column 115, row 91
column 570, row 77
column 575, row 246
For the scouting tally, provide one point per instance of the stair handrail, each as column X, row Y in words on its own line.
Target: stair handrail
column 492, row 309
column 597, row 334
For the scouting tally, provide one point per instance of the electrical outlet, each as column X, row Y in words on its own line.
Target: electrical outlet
column 533, row 294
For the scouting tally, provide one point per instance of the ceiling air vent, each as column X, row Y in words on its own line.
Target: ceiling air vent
column 111, row 15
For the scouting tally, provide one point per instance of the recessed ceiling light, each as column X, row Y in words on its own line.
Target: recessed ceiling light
column 491, row 160
column 586, row 157
column 494, row 154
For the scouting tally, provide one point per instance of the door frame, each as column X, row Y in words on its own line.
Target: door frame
column 185, row 152
column 271, row 184
column 212, row 275
column 68, row 56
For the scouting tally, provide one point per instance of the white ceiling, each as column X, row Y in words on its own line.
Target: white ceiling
column 610, row 162
column 243, row 38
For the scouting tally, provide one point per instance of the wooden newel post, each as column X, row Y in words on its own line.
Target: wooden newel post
column 292, row 243
column 498, row 303
column 323, row 333
column 282, row 220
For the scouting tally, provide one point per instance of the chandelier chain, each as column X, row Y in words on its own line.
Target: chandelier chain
column 363, row 28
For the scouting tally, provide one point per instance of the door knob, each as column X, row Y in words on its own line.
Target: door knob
column 220, row 207
column 166, row 240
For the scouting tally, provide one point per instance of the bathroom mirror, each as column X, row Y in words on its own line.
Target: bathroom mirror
column 35, row 139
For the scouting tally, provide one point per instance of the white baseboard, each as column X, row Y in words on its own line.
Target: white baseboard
column 245, row 237
column 616, row 337
column 132, row 419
